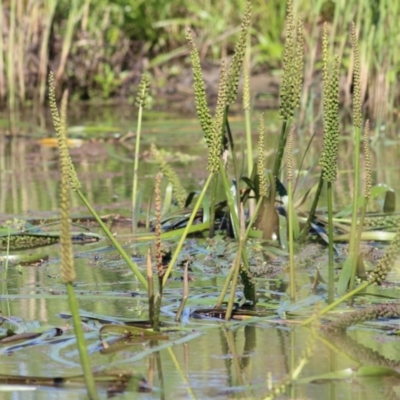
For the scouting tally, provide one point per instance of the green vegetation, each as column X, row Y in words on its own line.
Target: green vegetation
column 99, row 49
column 237, row 201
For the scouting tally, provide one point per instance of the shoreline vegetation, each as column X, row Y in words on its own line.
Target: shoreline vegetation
column 98, row 50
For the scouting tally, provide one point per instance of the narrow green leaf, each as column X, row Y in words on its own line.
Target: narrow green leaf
column 345, row 275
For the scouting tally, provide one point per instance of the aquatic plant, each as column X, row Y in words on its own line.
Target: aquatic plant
column 141, row 101
column 246, row 108
column 291, row 81
column 261, row 175
column 179, row 191
column 340, row 324
column 75, row 186
column 330, row 149
column 289, row 168
column 203, row 112
column 235, row 66
column 347, row 276
column 68, row 274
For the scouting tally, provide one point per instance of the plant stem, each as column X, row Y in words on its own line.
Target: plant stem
column 44, row 48
column 231, row 271
column 230, row 200
column 281, row 148
column 358, row 240
column 214, row 190
column 311, row 214
column 136, row 169
column 249, row 143
column 357, row 133
column 80, row 340
column 10, row 57
column 348, row 273
column 235, row 275
column 331, row 265
column 67, row 38
column 186, row 231
column 292, row 283
column 331, row 306
column 115, row 243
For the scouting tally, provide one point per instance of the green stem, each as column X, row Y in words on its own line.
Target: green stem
column 67, row 37
column 358, row 240
column 353, row 231
column 230, row 200
column 233, row 153
column 337, row 302
column 80, row 340
column 214, row 190
column 331, row 266
column 231, row 271
column 313, row 208
column 236, row 268
column 249, row 143
column 44, row 48
column 135, row 170
column 185, row 232
column 292, row 282
column 281, row 148
column 232, row 209
column 115, row 243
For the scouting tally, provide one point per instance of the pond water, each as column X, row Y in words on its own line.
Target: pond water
column 203, row 358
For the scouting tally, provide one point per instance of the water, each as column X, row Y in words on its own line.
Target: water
column 221, row 360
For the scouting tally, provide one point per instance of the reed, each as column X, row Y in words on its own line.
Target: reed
column 73, row 15
column 10, row 57
column 21, row 51
column 2, row 65
column 49, row 11
column 82, row 29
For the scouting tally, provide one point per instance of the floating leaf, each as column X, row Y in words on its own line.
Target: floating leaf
column 130, row 331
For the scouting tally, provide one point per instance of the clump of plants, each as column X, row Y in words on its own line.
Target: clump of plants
column 250, row 206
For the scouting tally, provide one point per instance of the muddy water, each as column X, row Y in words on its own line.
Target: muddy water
column 235, row 360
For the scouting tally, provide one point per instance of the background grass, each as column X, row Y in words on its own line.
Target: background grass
column 99, row 48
